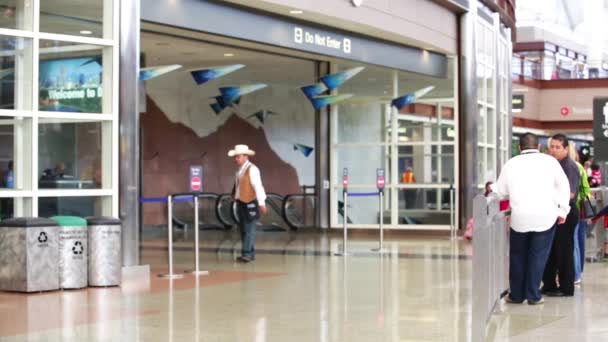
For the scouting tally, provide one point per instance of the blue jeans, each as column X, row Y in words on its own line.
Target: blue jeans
column 582, row 235
column 528, row 256
column 248, row 239
column 577, row 255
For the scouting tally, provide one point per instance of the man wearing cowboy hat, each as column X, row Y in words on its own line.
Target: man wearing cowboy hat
column 249, row 194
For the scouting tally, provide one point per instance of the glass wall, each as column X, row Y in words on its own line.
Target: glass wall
column 415, row 145
column 494, row 62
column 58, row 108
column 486, row 101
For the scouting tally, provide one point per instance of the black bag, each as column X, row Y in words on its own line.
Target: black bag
column 587, row 209
column 249, row 211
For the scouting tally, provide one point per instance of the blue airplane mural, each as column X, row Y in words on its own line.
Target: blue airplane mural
column 410, row 98
column 313, row 90
column 262, row 115
column 230, row 94
column 333, row 81
column 149, row 73
column 205, row 75
column 305, row 150
column 220, row 104
column 322, row 101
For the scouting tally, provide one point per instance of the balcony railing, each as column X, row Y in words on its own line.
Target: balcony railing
column 524, row 68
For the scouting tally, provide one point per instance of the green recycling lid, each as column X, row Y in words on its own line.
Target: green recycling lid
column 69, row 221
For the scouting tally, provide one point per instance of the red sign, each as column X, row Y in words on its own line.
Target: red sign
column 195, row 183
column 565, row 111
column 380, row 182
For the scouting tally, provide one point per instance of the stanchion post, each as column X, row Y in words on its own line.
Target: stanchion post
column 380, row 183
column 170, row 275
column 345, row 228
column 380, row 248
column 381, row 196
column 452, row 218
column 197, row 270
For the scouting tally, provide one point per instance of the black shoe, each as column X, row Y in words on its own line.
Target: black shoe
column 545, row 290
column 509, row 300
column 555, row 293
column 244, row 259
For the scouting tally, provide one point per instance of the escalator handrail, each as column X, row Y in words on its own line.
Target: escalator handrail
column 181, row 223
column 217, row 210
column 288, row 197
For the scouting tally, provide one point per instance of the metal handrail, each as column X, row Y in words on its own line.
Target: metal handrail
column 204, row 195
column 286, row 208
column 218, row 210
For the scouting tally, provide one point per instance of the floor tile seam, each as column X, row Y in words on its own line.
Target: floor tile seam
column 358, row 254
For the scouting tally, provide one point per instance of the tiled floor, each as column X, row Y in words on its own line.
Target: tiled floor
column 299, row 291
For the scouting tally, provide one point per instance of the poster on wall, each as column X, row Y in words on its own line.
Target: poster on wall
column 71, row 85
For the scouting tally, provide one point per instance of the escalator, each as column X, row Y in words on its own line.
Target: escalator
column 183, row 212
column 218, row 212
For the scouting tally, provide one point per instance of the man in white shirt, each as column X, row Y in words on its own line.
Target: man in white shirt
column 539, row 195
column 250, row 197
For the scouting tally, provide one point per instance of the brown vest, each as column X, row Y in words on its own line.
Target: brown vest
column 246, row 190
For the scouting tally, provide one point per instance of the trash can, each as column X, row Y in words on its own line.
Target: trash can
column 29, row 254
column 105, row 258
column 72, row 252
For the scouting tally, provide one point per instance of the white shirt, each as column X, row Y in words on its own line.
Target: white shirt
column 256, row 182
column 538, row 191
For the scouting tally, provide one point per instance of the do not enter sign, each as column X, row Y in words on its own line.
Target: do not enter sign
column 565, row 111
column 195, row 184
column 196, row 178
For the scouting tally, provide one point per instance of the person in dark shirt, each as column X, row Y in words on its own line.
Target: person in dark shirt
column 561, row 259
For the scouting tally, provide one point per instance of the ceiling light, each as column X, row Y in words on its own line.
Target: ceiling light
column 296, row 12
column 228, row 55
column 87, row 32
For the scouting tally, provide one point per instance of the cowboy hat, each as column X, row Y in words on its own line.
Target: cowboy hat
column 241, row 149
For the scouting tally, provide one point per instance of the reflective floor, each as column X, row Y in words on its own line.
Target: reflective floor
column 297, row 290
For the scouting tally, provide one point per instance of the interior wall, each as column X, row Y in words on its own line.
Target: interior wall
column 181, row 129
column 546, row 104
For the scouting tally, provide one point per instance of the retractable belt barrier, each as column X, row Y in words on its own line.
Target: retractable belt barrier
column 182, row 197
column 347, row 194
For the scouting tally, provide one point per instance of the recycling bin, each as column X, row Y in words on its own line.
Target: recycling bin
column 105, row 258
column 72, row 252
column 29, row 253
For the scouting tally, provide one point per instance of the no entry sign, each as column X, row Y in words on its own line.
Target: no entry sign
column 196, row 178
column 380, row 179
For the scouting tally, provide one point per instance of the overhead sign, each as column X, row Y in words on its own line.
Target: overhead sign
column 319, row 39
column 564, row 111
column 257, row 27
column 600, row 128
column 517, row 102
column 380, row 179
column 196, row 178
